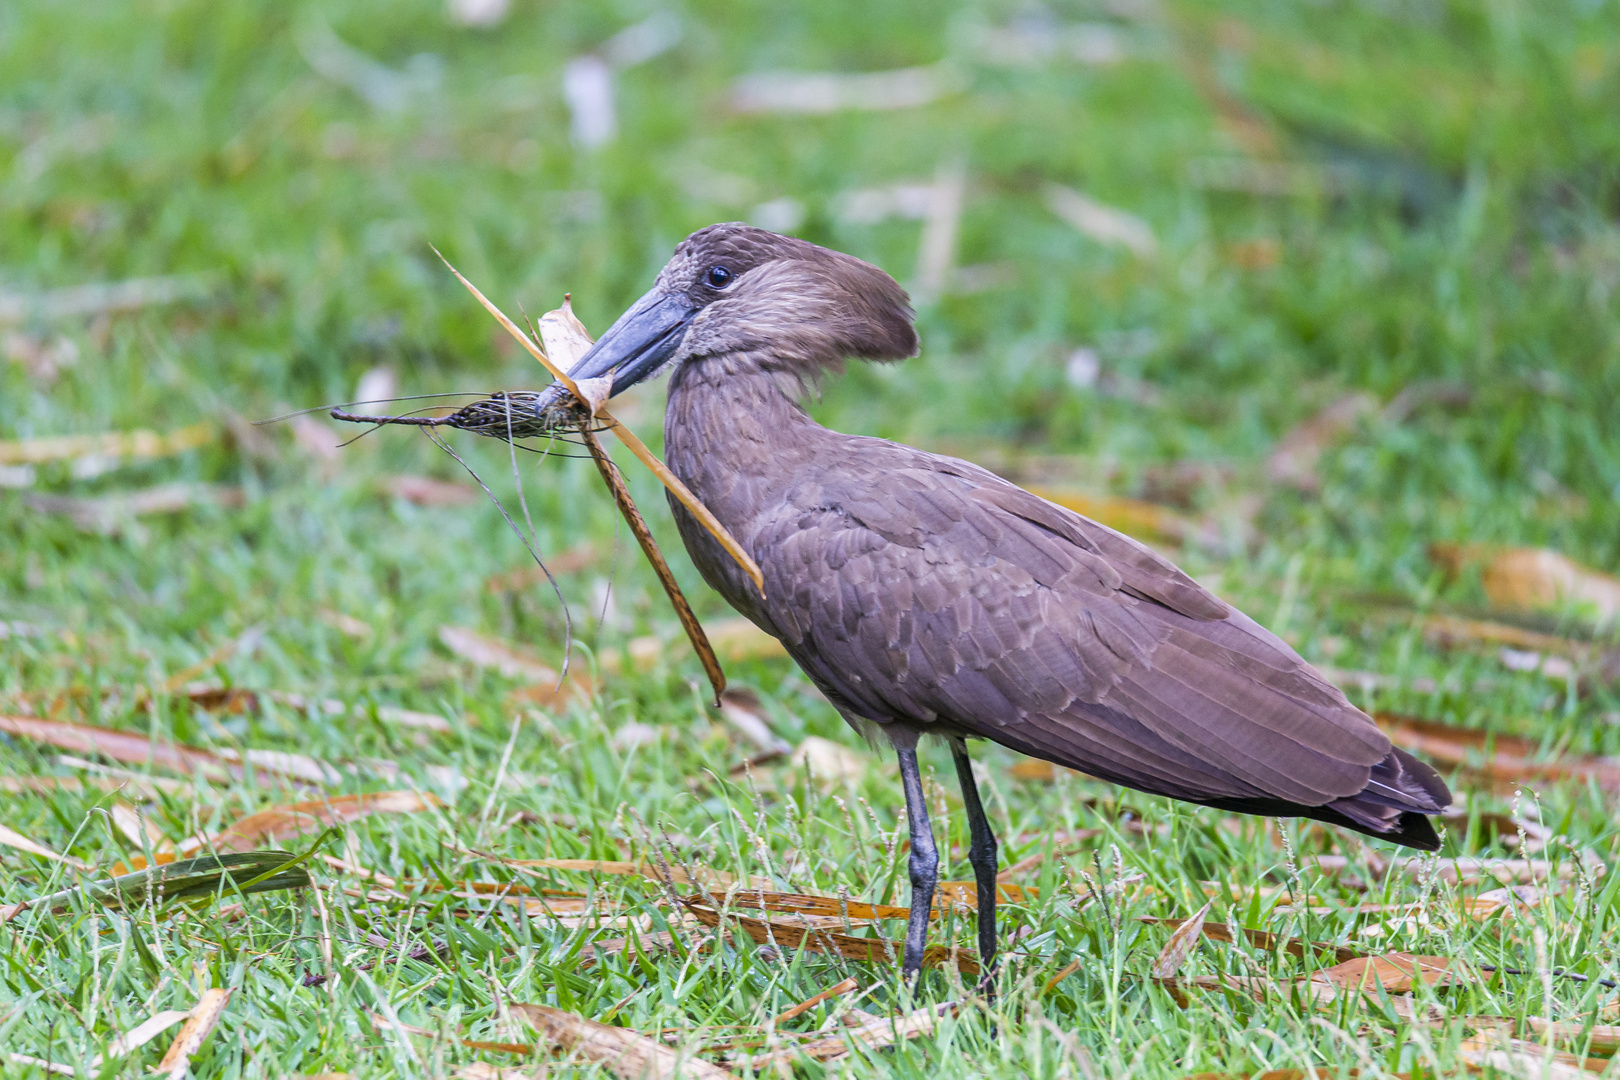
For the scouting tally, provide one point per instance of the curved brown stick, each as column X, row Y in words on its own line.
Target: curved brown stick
column 649, row 547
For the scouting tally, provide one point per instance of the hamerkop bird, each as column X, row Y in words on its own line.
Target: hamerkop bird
column 924, row 595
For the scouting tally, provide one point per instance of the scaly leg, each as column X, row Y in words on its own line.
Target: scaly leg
column 982, row 854
column 924, row 864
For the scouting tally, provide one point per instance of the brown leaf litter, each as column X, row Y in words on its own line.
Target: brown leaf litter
column 1524, row 579
column 785, row 933
column 620, row 1051
column 1506, row 760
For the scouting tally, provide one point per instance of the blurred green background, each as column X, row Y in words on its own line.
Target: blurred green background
column 1322, row 284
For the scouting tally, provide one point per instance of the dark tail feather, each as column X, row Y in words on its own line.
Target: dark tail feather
column 1393, row 806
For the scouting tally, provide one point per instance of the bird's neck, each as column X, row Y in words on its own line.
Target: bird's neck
column 735, row 434
column 734, row 429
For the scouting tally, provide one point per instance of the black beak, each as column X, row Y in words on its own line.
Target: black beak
column 639, row 343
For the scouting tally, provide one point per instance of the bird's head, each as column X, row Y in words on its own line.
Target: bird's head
column 733, row 288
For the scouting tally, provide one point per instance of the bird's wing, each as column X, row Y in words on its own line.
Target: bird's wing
column 920, row 588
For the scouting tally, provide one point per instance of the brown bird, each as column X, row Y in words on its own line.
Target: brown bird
column 924, row 595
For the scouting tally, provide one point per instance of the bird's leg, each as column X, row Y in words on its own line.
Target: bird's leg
column 924, row 864
column 982, row 854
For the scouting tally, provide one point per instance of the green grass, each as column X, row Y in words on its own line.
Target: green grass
column 1480, row 247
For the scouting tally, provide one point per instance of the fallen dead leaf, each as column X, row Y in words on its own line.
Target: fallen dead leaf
column 678, row 875
column 129, row 747
column 1510, row 759
column 743, row 710
column 1182, row 941
column 199, row 1024
column 492, row 652
column 783, row 933
column 1134, row 517
column 426, row 491
column 620, row 1051
column 100, row 298
column 829, row 92
column 141, row 1034
column 1260, row 939
column 832, row 907
column 829, row 761
column 876, row 1034
column 382, row 1023
column 1294, row 460
column 1599, row 1038
column 1501, row 1055
column 137, row 828
column 108, row 514
column 143, row 787
column 235, row 699
column 1452, row 631
column 347, row 625
column 1534, row 579
column 13, row 839
column 736, row 640
column 1261, row 253
column 1396, row 972
column 529, row 577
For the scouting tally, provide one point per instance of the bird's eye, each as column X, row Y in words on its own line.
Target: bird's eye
column 717, row 277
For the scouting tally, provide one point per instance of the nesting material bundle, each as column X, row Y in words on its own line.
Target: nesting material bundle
column 519, row 414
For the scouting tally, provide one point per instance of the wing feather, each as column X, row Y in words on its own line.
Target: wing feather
column 918, row 587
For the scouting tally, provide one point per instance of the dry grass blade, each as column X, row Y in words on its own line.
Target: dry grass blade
column 13, row 839
column 1180, row 946
column 113, row 445
column 848, row 986
column 626, row 436
column 621, row 1052
column 787, row 934
column 204, row 1016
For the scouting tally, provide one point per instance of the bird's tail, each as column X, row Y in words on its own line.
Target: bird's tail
column 1394, row 804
